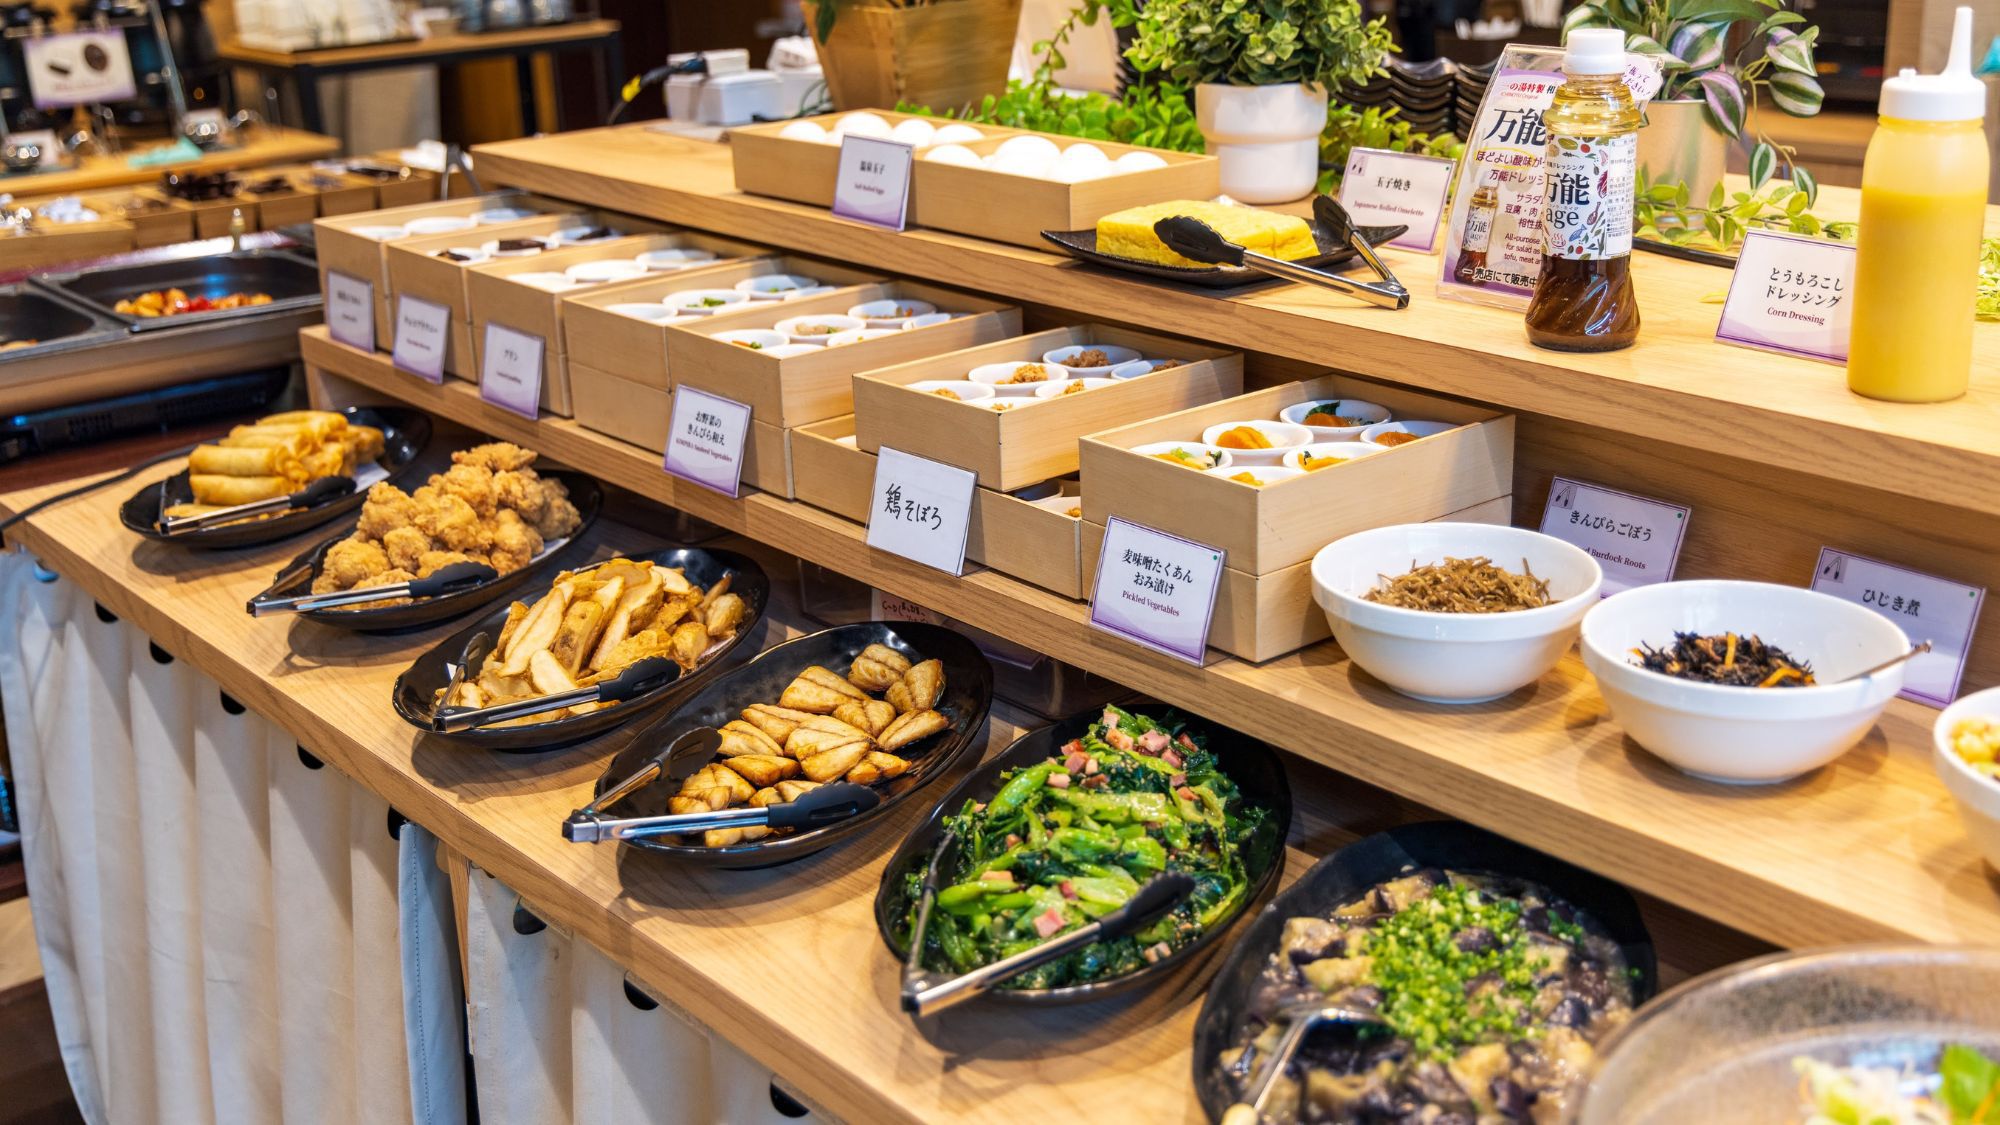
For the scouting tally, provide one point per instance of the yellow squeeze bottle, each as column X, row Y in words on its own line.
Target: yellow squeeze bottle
column 1923, row 210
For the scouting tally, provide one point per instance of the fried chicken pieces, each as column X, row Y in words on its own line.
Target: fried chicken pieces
column 489, row 507
column 824, row 728
column 593, row 624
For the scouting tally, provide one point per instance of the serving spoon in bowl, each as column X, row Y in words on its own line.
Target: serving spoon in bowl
column 1301, row 1020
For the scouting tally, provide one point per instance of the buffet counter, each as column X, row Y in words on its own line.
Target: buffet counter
column 268, row 146
column 786, row 962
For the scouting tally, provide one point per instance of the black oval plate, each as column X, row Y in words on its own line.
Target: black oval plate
column 968, row 695
column 405, row 433
column 1332, row 252
column 1351, row 871
column 417, row 688
column 296, row 578
column 1254, row 767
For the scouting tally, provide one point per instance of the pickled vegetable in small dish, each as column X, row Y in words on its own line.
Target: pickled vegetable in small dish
column 1976, row 741
column 1965, row 1090
column 1392, row 434
column 775, row 286
column 957, row 390
column 1327, row 454
column 1091, row 359
column 814, row 329
column 1072, row 387
column 755, row 339
column 703, row 302
column 1256, row 476
column 1257, row 442
column 1243, row 437
column 1336, row 419
column 1473, row 585
column 891, row 312
column 857, row 335
column 1187, row 454
column 1071, row 837
column 1727, row 659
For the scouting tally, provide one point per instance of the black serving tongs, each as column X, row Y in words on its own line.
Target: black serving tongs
column 325, row 490
column 635, row 680
column 818, row 808
column 926, row 993
column 453, row 579
column 1192, row 238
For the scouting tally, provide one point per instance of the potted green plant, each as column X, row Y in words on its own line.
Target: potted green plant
column 876, row 53
column 1260, row 70
column 1711, row 89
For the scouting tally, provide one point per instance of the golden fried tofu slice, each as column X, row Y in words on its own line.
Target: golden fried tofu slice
column 819, row 691
column 871, row 716
column 764, row 769
column 833, row 765
column 920, row 688
column 912, row 728
column 877, row 668
column 876, row 766
column 739, row 737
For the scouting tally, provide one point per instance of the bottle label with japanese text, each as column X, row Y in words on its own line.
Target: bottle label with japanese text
column 1587, row 212
column 1478, row 230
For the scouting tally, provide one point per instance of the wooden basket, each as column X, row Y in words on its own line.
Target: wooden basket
column 943, row 55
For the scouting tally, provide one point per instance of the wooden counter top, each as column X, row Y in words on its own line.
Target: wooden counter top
column 1676, row 385
column 269, row 145
column 437, row 48
column 786, row 962
column 1868, row 848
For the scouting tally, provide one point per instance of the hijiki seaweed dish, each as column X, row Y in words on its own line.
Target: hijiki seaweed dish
column 1729, row 659
column 1494, row 992
column 1462, row 586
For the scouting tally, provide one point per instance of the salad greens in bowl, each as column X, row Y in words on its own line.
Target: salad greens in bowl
column 1066, row 825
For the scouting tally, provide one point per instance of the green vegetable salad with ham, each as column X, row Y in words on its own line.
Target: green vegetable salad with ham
column 1071, row 838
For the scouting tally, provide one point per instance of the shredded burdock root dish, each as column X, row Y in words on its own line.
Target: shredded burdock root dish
column 1729, row 659
column 1462, row 586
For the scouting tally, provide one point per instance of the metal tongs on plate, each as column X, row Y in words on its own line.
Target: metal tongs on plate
column 1192, row 238
column 325, row 490
column 452, row 579
column 818, row 808
column 636, row 680
column 926, row 993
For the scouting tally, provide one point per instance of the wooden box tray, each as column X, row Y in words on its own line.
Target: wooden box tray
column 1036, row 439
column 1282, row 524
column 791, row 391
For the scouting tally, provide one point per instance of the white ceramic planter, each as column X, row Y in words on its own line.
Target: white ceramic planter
column 1267, row 138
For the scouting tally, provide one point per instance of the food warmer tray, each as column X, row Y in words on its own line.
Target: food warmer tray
column 292, row 282
column 59, row 326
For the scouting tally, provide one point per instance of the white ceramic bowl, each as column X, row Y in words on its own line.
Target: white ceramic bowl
column 786, row 351
column 1056, row 388
column 1135, row 368
column 381, row 233
column 647, row 310
column 1222, row 458
column 1265, row 474
column 705, row 302
column 546, row 279
column 1367, row 413
column 439, row 224
column 614, row 269
column 1284, row 437
column 756, row 339
column 675, row 258
column 1977, row 796
column 995, row 375
column 891, row 313
column 501, row 215
column 774, row 286
column 1341, row 451
column 966, row 390
column 1063, row 357
column 1452, row 657
column 816, row 328
column 926, row 320
column 1743, row 734
column 856, row 335
column 1421, row 429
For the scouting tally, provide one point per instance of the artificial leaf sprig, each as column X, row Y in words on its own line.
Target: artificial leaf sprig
column 1663, row 212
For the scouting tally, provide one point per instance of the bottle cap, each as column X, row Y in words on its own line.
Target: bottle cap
column 1951, row 95
column 1594, row 50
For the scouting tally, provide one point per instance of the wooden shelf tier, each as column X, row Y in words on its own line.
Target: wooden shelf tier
column 785, row 962
column 1676, row 386
column 1865, row 849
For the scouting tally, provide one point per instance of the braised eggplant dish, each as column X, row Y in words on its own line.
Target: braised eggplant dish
column 1493, row 991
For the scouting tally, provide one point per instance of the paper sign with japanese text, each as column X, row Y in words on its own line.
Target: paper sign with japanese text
column 872, row 184
column 705, row 444
column 1790, row 295
column 510, row 370
column 1636, row 540
column 921, row 510
column 888, row 607
column 78, row 68
column 421, row 331
column 350, row 310
column 1927, row 607
column 1156, row 589
column 1383, row 188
